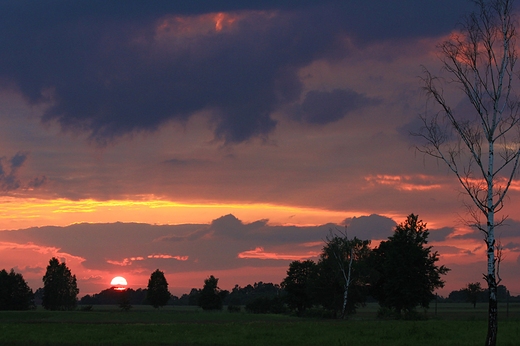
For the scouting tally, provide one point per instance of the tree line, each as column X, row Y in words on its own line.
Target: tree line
column 400, row 273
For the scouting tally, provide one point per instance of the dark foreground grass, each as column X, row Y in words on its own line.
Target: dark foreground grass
column 191, row 327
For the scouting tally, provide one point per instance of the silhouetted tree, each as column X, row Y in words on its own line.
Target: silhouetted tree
column 473, row 291
column 211, row 297
column 482, row 146
column 405, row 272
column 158, row 294
column 191, row 298
column 59, row 287
column 124, row 299
column 15, row 294
column 342, row 274
column 245, row 295
column 298, row 283
column 110, row 296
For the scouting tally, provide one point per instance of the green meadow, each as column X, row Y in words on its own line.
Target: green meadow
column 448, row 324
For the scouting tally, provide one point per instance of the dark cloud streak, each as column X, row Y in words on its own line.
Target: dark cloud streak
column 10, row 175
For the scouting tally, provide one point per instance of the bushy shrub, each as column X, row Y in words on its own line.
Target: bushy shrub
column 234, row 308
column 266, row 305
column 386, row 313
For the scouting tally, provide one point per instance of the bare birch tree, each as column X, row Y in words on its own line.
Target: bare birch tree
column 482, row 148
column 339, row 256
column 345, row 253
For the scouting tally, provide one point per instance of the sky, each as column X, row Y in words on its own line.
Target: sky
column 223, row 138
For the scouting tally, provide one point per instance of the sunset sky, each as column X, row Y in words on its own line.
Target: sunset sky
column 222, row 138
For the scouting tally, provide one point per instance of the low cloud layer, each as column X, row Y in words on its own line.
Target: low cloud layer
column 225, row 244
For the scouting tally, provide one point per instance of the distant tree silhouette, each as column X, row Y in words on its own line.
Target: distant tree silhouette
column 124, row 299
column 15, row 294
column 59, row 287
column 158, row 294
column 110, row 296
column 245, row 295
column 297, row 284
column 211, row 297
column 191, row 298
column 473, row 291
column 405, row 271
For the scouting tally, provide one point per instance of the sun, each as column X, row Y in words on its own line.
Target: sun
column 119, row 283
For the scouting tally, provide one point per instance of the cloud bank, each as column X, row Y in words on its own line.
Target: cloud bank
column 109, row 70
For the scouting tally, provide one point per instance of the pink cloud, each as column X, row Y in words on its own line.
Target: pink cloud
column 404, row 183
column 129, row 260
column 259, row 253
column 178, row 258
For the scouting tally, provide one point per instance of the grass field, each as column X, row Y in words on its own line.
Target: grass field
column 453, row 324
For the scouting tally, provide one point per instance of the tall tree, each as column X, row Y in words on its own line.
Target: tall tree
column 60, row 290
column 15, row 294
column 298, row 283
column 481, row 147
column 211, row 296
column 342, row 273
column 405, row 271
column 158, row 294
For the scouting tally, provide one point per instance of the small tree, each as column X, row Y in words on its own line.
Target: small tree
column 124, row 299
column 405, row 270
column 60, row 290
column 158, row 294
column 297, row 284
column 473, row 291
column 15, row 294
column 211, row 297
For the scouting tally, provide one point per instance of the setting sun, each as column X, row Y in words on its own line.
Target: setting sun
column 119, row 282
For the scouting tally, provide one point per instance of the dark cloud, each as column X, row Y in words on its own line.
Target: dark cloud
column 380, row 20
column 28, row 269
column 440, row 234
column 370, row 227
column 512, row 246
column 322, row 107
column 185, row 162
column 105, row 69
column 10, row 181
column 508, row 229
column 10, row 173
column 447, row 250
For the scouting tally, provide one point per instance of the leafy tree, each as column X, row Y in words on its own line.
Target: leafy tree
column 472, row 291
column 158, row 294
column 405, row 271
column 342, row 274
column 211, row 297
column 15, row 294
column 59, row 287
column 481, row 146
column 297, row 284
